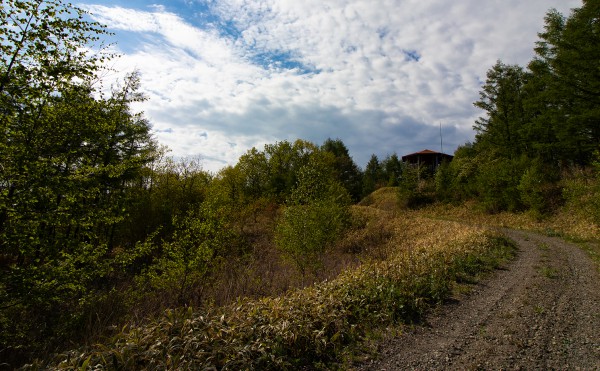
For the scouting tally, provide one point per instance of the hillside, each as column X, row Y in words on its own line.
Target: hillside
column 406, row 272
column 539, row 312
column 421, row 261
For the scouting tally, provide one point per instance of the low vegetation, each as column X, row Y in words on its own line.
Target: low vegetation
column 312, row 326
column 287, row 257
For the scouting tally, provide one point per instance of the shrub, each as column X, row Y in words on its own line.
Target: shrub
column 195, row 250
column 305, row 328
column 316, row 215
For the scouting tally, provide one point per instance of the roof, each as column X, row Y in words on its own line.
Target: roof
column 427, row 152
column 427, row 156
column 424, row 152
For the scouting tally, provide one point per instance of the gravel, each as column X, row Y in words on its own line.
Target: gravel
column 540, row 311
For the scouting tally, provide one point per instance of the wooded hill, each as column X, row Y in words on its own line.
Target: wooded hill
column 100, row 228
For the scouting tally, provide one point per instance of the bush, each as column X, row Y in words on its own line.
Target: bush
column 305, row 231
column 415, row 189
column 316, row 215
column 305, row 328
column 537, row 188
column 196, row 249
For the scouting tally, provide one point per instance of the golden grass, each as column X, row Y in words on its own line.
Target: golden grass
column 416, row 262
column 566, row 222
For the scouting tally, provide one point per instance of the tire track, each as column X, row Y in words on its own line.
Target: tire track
column 541, row 311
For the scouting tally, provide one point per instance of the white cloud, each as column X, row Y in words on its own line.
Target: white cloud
column 380, row 75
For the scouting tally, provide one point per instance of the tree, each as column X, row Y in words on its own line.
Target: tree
column 167, row 188
column 284, row 160
column 567, row 58
column 463, row 169
column 392, row 170
column 347, row 172
column 315, row 215
column 372, row 176
column 67, row 159
column 502, row 100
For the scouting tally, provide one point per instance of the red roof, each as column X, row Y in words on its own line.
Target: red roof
column 423, row 152
column 427, row 154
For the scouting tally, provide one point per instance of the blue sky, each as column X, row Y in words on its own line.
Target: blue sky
column 223, row 76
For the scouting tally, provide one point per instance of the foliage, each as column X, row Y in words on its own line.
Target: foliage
column 271, row 173
column 194, row 251
column 346, row 171
column 581, row 190
column 167, row 188
column 67, row 157
column 502, row 100
column 566, row 65
column 316, row 215
column 392, row 168
column 538, row 121
column 443, row 182
column 309, row 327
column 371, row 176
column 416, row 188
column 538, row 190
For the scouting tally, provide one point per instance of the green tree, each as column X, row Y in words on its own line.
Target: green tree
column 67, row 160
column 316, row 214
column 566, row 63
column 347, row 172
column 284, row 161
column 392, row 170
column 372, row 176
column 416, row 188
column 502, row 100
column 463, row 169
column 443, row 182
column 167, row 188
column 497, row 181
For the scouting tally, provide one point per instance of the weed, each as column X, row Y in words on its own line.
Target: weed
column 482, row 331
column 316, row 325
column 548, row 272
column 538, row 309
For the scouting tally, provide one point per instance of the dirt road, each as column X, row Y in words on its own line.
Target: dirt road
column 542, row 311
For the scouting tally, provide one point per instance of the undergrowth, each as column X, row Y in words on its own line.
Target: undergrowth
column 307, row 327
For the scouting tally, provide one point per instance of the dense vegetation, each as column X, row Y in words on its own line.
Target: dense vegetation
column 100, row 228
column 541, row 123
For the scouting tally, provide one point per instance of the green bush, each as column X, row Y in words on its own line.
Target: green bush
column 538, row 188
column 316, row 215
column 305, row 328
column 196, row 249
column 305, row 231
column 416, row 188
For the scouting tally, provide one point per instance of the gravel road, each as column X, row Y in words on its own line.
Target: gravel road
column 541, row 311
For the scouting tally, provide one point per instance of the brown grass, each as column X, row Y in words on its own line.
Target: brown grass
column 409, row 264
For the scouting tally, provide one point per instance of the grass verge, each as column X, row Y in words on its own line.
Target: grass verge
column 309, row 327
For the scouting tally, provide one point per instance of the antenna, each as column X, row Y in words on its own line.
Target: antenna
column 441, row 140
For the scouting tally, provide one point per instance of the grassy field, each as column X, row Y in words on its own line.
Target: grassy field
column 407, row 262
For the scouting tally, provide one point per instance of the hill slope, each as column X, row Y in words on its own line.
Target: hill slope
column 541, row 312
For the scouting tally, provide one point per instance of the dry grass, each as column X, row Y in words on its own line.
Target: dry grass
column 408, row 262
column 566, row 222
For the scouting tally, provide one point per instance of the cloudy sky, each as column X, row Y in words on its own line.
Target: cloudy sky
column 223, row 76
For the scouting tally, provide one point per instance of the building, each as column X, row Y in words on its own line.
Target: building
column 427, row 158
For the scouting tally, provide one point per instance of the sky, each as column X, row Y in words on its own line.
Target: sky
column 223, row 76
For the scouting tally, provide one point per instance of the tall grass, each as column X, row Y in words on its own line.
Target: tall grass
column 310, row 326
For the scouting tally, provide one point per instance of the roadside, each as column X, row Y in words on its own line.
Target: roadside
column 542, row 311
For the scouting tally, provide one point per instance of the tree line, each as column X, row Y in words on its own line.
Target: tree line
column 96, row 217
column 540, row 122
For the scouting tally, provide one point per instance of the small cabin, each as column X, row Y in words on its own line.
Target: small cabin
column 427, row 158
